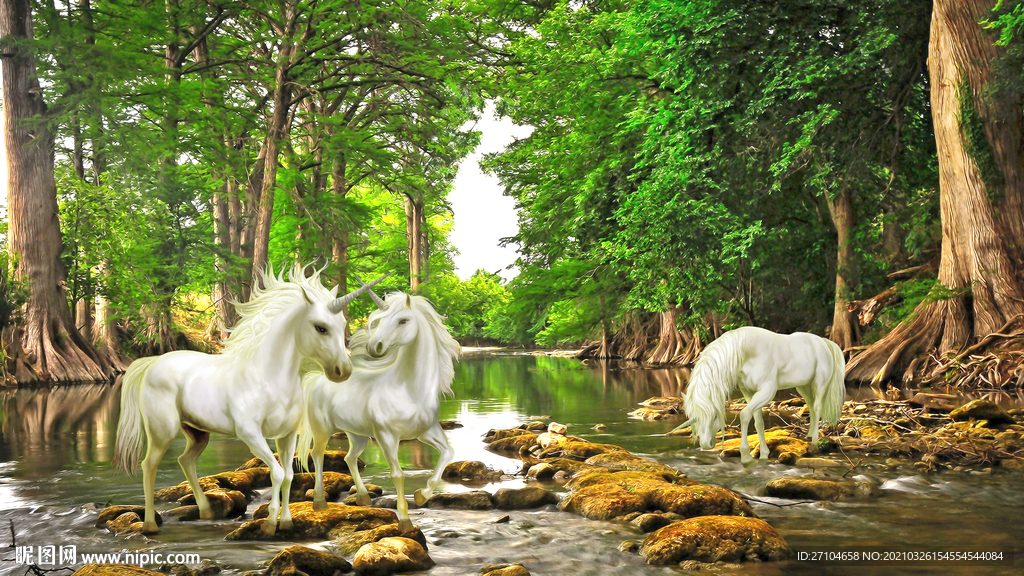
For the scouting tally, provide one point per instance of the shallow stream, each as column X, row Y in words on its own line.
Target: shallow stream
column 56, row 446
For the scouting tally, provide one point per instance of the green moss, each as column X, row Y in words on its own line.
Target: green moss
column 976, row 144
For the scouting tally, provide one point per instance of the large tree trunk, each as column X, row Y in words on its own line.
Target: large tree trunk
column 844, row 329
column 339, row 236
column 979, row 144
column 670, row 341
column 54, row 347
column 413, row 222
column 104, row 330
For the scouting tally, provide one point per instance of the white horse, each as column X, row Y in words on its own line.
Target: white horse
column 252, row 390
column 403, row 362
column 761, row 363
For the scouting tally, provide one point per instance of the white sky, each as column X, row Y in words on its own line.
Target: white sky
column 482, row 215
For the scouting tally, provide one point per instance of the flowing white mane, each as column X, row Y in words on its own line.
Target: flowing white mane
column 448, row 350
column 710, row 383
column 258, row 314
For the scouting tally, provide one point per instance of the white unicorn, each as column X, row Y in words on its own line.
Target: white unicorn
column 761, row 363
column 252, row 390
column 403, row 361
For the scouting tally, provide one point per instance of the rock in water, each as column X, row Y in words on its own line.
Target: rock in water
column 350, row 538
column 523, row 498
column 475, row 500
column 223, row 503
column 302, row 561
column 469, row 469
column 714, row 539
column 504, row 570
column 114, row 570
column 334, row 461
column 112, row 512
column 818, row 489
column 309, row 523
column 981, row 409
column 556, row 428
column 391, row 555
column 779, row 440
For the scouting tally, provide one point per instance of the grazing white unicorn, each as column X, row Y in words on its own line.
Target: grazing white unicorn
column 403, row 361
column 761, row 363
column 252, row 390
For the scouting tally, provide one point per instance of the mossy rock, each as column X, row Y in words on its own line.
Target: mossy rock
column 516, row 443
column 701, row 500
column 314, row 524
column 179, row 491
column 335, row 484
column 349, row 539
column 391, row 555
column 300, row 560
column 604, row 501
column 223, row 503
column 631, row 477
column 580, row 450
column 715, row 539
column 504, row 570
column 523, row 498
column 114, row 570
column 819, row 488
column 127, row 523
column 474, row 500
column 112, row 512
column 982, row 409
column 469, row 469
column 624, row 460
column 546, row 469
column 501, row 433
column 779, row 440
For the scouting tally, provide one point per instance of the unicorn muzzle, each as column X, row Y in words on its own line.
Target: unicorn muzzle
column 375, row 350
column 339, row 373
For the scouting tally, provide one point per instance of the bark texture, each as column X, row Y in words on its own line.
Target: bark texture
column 844, row 330
column 980, row 150
column 53, row 346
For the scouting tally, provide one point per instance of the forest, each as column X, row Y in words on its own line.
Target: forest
column 851, row 169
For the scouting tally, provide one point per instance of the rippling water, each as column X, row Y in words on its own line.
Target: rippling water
column 56, row 446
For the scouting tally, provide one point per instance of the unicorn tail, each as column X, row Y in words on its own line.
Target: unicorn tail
column 835, row 392
column 128, row 445
column 305, row 441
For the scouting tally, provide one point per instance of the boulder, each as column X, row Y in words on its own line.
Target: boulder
column 623, row 460
column 818, row 463
column 626, row 477
column 474, row 500
column 523, row 498
column 314, row 524
column 335, row 484
column 534, row 426
column 114, row 570
column 604, row 502
column 112, row 512
column 556, row 428
column 449, row 424
column 245, row 481
column 303, row 561
column 500, row 433
column 701, row 500
column 391, row 555
column 177, row 492
column 652, row 521
column 578, row 450
column 610, row 495
column 516, row 443
column 349, row 538
column 223, row 503
column 546, row 469
column 818, row 488
column 714, row 539
column 504, row 570
column 127, row 523
column 469, row 469
column 981, row 409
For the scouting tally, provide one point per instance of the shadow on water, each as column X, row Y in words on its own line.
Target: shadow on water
column 56, row 446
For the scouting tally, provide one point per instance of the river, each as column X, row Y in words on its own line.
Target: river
column 56, row 446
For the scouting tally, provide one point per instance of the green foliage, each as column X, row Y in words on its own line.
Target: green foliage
column 468, row 305
column 975, row 142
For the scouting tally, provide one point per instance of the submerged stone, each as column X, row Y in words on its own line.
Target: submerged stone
column 523, row 498
column 391, row 555
column 818, row 489
column 714, row 539
column 303, row 561
column 474, row 500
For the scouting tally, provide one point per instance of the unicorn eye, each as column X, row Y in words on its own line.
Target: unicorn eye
column 403, row 321
column 320, row 329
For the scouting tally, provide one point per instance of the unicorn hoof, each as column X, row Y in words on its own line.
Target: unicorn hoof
column 149, row 528
column 320, row 505
column 269, row 528
column 363, row 500
column 287, row 524
column 206, row 514
column 419, row 498
column 405, row 525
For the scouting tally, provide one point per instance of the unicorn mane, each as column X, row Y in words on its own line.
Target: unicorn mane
column 449, row 348
column 278, row 295
column 713, row 378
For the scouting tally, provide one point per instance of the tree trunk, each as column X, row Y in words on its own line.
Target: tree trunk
column 979, row 143
column 54, row 347
column 105, row 334
column 670, row 341
column 844, row 329
column 276, row 133
column 339, row 236
column 413, row 211
column 84, row 317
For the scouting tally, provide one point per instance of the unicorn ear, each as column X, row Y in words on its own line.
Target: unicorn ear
column 306, row 296
column 408, row 301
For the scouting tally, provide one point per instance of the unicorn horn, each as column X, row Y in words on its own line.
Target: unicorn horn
column 340, row 303
column 376, row 299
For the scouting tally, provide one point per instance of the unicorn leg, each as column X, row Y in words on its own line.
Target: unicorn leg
column 756, row 403
column 286, row 451
column 195, row 443
column 319, row 447
column 156, row 448
column 681, row 426
column 389, row 446
column 258, row 445
column 759, row 426
column 812, row 431
column 356, row 445
column 435, row 437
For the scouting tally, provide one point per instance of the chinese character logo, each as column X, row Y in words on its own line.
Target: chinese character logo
column 68, row 555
